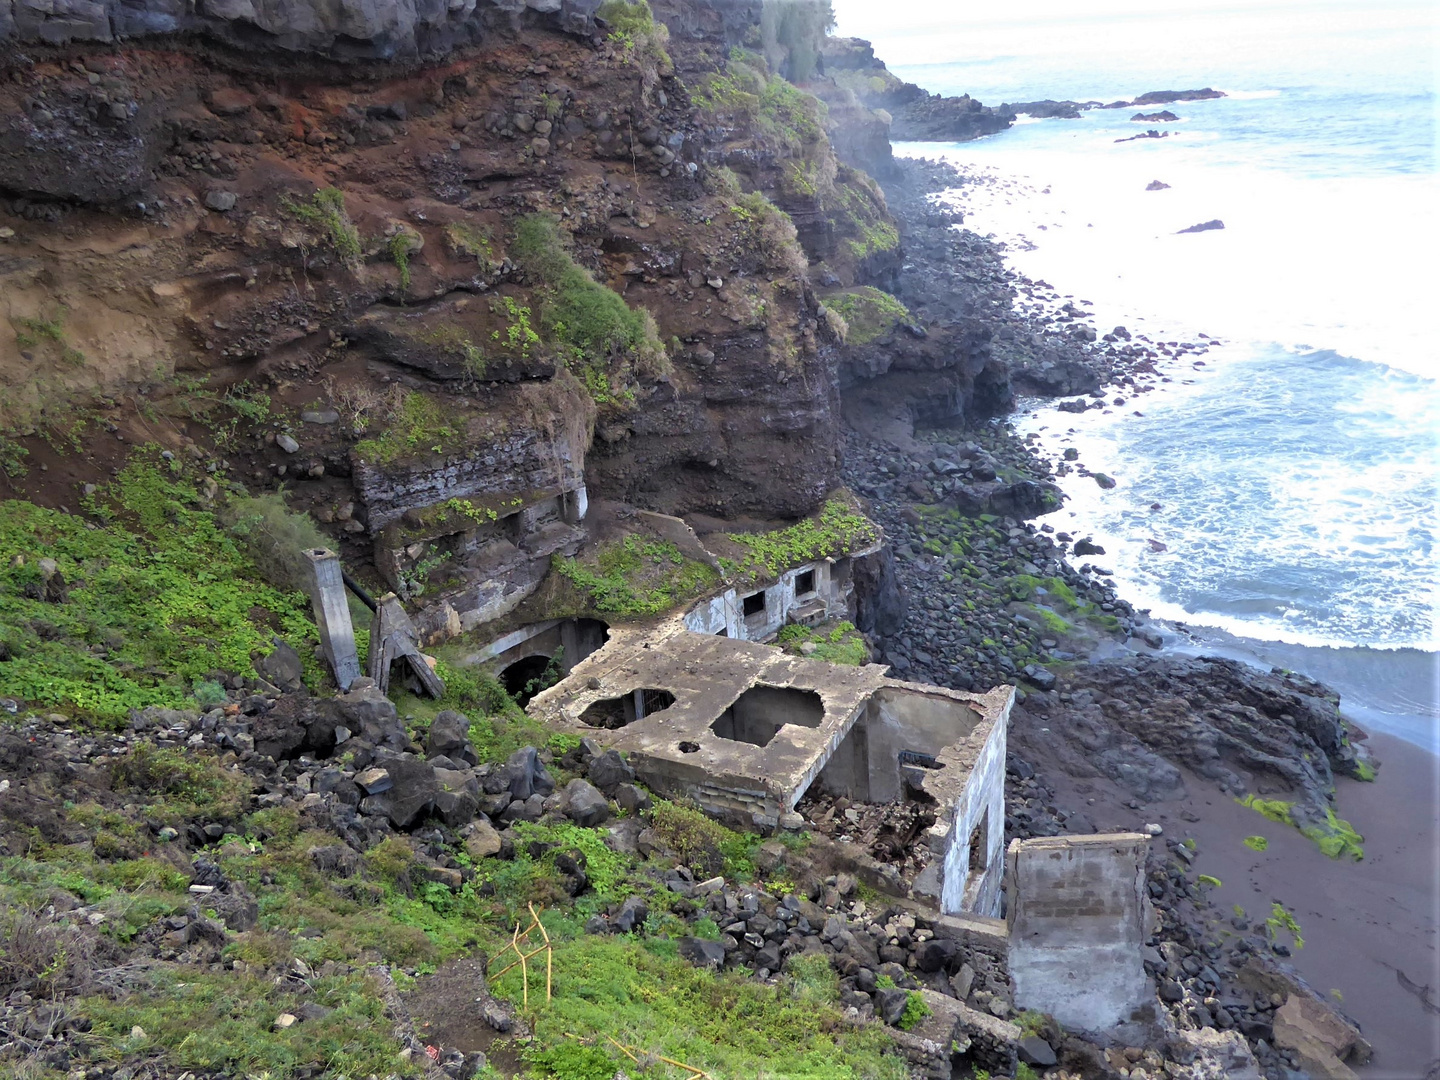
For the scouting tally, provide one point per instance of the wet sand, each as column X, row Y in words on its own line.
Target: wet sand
column 1362, row 922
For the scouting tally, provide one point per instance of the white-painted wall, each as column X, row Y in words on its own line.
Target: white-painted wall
column 724, row 612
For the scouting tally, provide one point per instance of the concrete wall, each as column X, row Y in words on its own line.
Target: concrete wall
column 981, row 803
column 725, row 613
column 905, row 721
column 1078, row 919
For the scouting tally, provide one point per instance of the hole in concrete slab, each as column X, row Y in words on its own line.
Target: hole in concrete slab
column 754, row 604
column 689, row 747
column 522, row 679
column 805, row 583
column 616, row 712
column 758, row 714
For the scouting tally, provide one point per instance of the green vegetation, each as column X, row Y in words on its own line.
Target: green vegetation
column 417, row 426
column 600, row 337
column 1206, row 879
column 771, row 107
column 1276, row 810
column 12, row 458
column 1335, row 838
column 470, row 241
column 31, row 332
column 1053, row 592
column 839, row 528
column 183, row 785
column 1256, row 843
column 160, row 595
column 1364, row 771
column 224, row 1022
column 915, row 1011
column 865, row 218
column 447, row 337
column 769, row 233
column 274, row 538
column 640, row 39
column 1282, row 919
column 1031, row 1022
column 519, row 336
column 792, row 33
column 643, row 995
column 703, row 844
column 841, row 644
column 324, row 212
column 399, row 247
column 632, row 17
column 868, row 312
column 636, row 577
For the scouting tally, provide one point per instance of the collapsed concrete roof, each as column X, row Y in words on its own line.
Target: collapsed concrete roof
column 744, row 730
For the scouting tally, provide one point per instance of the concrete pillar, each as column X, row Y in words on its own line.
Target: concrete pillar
column 1079, row 915
column 332, row 616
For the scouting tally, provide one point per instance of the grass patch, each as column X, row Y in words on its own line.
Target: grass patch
column 324, row 213
column 160, row 596
column 868, row 312
column 224, row 1022
column 600, row 336
column 841, row 644
column 30, row 332
column 1256, row 843
column 642, row 995
column 635, row 577
column 418, row 426
column 839, row 528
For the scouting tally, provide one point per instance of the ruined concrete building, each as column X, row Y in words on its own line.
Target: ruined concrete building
column 744, row 731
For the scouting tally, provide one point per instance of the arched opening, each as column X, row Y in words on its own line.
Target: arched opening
column 527, row 676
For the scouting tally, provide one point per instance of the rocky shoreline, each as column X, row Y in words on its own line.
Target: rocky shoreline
column 1109, row 730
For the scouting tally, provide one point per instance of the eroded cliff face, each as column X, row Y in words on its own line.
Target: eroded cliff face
column 448, row 302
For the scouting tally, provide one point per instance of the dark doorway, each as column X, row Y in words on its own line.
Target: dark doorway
column 526, row 677
column 754, row 604
column 805, row 583
column 616, row 712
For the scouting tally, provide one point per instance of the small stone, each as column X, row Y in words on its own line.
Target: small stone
column 285, row 1020
column 320, row 416
column 137, row 1032
column 374, row 781
column 220, row 201
column 540, row 147
column 6, row 232
column 286, row 443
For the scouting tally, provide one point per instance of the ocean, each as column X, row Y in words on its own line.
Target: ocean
column 1278, row 498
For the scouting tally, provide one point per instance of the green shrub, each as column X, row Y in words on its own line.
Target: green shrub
column 159, row 596
column 1256, row 843
column 701, row 843
column 275, row 538
column 324, row 212
column 635, row 577
column 868, row 313
column 598, row 334
column 915, row 1011
column 838, row 528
